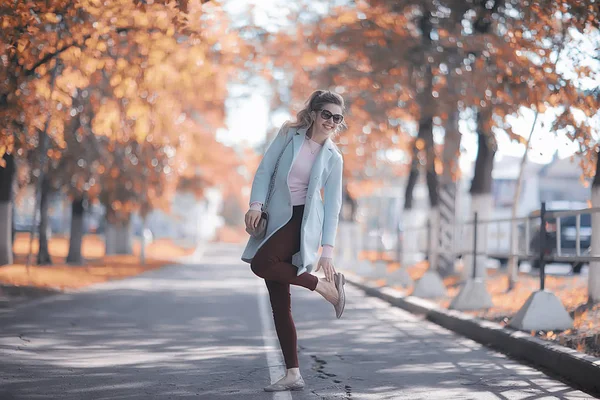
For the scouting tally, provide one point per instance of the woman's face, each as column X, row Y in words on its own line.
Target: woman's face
column 328, row 118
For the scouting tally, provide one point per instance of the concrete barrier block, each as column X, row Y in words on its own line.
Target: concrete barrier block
column 362, row 268
column 400, row 277
column 542, row 311
column 472, row 296
column 378, row 270
column 429, row 286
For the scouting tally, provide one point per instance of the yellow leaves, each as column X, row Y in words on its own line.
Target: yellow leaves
column 230, row 43
column 42, row 69
column 151, row 77
column 347, row 17
column 156, row 56
column 108, row 118
column 91, row 65
column 541, row 107
column 553, row 99
column 52, row 18
column 91, row 42
column 91, row 4
column 38, row 121
column 142, row 128
column 128, row 87
column 116, row 79
column 141, row 19
column 42, row 88
column 3, row 150
column 122, row 64
column 23, row 44
column 385, row 20
column 139, row 112
column 70, row 80
column 101, row 46
column 72, row 53
column 395, row 72
column 61, row 98
column 309, row 59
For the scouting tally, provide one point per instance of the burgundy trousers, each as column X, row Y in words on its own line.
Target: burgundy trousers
column 273, row 263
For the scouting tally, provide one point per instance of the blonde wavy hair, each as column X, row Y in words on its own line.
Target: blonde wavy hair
column 315, row 102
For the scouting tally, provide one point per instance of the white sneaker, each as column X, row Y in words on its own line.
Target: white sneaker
column 298, row 384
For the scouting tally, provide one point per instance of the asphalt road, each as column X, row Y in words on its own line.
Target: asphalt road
column 203, row 330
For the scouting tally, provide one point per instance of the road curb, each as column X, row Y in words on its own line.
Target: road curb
column 577, row 368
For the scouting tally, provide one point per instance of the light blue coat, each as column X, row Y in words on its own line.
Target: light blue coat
column 321, row 214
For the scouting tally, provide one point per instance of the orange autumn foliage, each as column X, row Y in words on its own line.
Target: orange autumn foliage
column 97, row 269
column 120, row 88
column 400, row 64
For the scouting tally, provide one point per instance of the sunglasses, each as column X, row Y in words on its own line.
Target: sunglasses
column 337, row 118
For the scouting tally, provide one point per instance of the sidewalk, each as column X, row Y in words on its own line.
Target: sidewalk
column 578, row 368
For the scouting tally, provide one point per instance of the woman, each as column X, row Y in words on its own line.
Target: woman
column 299, row 218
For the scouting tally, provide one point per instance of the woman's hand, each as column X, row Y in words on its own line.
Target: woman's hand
column 251, row 219
column 328, row 269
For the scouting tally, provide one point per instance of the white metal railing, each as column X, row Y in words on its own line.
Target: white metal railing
column 472, row 237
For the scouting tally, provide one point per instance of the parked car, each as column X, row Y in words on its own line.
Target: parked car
column 568, row 236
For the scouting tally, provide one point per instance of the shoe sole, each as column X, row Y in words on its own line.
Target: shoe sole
column 340, row 281
column 294, row 389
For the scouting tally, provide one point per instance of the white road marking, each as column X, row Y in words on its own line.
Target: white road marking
column 274, row 357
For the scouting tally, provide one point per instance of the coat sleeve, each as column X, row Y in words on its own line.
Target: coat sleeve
column 333, row 204
column 262, row 178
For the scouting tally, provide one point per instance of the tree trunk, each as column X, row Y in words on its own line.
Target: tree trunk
column 451, row 152
column 432, row 178
column 76, row 235
column 448, row 193
column 424, row 141
column 349, row 203
column 424, row 137
column 412, row 178
column 410, row 244
column 481, row 191
column 13, row 228
column 144, row 240
column 486, row 150
column 426, row 127
column 513, row 260
column 7, row 174
column 594, row 269
column 43, row 257
column 426, row 103
column 119, row 238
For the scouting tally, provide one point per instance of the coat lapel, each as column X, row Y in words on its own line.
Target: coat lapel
column 287, row 163
column 320, row 163
column 297, row 142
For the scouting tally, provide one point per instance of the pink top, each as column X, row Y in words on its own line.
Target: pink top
column 300, row 173
column 299, row 178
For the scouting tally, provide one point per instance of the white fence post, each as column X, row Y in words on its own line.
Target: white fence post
column 431, row 285
column 474, row 294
